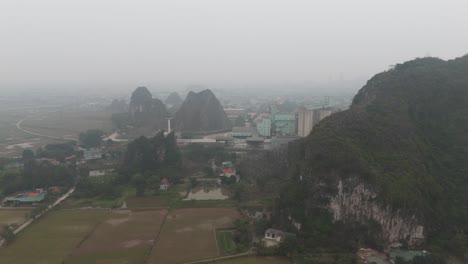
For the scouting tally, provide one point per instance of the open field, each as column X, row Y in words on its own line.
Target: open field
column 256, row 260
column 125, row 237
column 189, row 234
column 46, row 121
column 68, row 122
column 148, row 201
column 12, row 216
column 52, row 237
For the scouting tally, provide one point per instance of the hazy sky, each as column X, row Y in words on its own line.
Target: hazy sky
column 133, row 42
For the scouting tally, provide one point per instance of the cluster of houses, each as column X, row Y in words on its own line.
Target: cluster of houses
column 25, row 198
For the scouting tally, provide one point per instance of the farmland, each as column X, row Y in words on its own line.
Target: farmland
column 256, row 260
column 125, row 237
column 13, row 216
column 52, row 237
column 191, row 231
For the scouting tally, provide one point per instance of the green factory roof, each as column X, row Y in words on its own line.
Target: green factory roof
column 26, row 199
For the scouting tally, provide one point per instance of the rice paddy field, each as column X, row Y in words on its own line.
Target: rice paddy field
column 52, row 238
column 190, row 234
column 13, row 216
column 126, row 236
column 256, row 260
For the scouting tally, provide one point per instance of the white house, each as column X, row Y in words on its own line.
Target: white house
column 273, row 234
column 164, row 185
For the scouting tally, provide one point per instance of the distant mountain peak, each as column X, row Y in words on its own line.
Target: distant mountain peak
column 201, row 112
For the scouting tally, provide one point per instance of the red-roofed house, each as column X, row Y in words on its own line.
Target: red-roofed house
column 228, row 172
column 164, row 185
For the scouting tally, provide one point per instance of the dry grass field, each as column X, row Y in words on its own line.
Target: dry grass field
column 69, row 123
column 189, row 234
column 125, row 237
column 256, row 260
column 52, row 238
column 12, row 216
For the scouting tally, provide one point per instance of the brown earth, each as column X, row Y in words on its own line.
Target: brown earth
column 125, row 230
column 189, row 234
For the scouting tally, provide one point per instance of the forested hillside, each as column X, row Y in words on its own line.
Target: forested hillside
column 396, row 161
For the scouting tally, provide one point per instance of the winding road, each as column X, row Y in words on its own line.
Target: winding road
column 18, row 125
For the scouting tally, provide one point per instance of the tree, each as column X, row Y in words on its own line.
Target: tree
column 242, row 234
column 193, row 182
column 288, row 245
column 28, row 163
column 240, row 121
column 8, row 234
column 91, row 138
column 239, row 191
column 261, row 225
column 139, row 182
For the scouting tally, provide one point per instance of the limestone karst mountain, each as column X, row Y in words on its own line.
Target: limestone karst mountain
column 146, row 111
column 201, row 112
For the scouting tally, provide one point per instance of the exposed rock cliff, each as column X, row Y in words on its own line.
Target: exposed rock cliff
column 201, row 112
column 358, row 203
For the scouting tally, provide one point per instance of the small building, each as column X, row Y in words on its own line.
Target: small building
column 228, row 172
column 243, row 132
column 164, row 185
column 274, row 236
column 92, row 154
column 97, row 173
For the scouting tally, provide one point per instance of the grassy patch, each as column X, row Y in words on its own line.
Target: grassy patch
column 226, row 243
column 204, row 203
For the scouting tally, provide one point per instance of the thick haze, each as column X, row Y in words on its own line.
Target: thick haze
column 116, row 44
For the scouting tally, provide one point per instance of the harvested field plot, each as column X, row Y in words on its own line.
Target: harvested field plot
column 125, row 237
column 189, row 234
column 257, row 260
column 148, row 201
column 13, row 216
column 52, row 237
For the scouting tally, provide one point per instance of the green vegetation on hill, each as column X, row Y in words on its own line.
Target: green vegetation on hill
column 406, row 137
